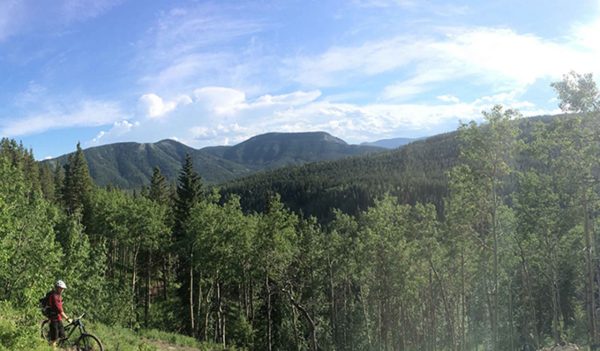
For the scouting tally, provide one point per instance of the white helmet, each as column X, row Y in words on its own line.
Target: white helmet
column 60, row 284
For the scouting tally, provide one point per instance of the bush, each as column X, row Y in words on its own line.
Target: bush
column 19, row 331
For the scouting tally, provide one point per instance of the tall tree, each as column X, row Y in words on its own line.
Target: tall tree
column 159, row 188
column 77, row 182
column 487, row 155
column 577, row 157
column 189, row 193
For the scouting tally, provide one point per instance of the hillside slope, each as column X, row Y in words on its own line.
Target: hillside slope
column 130, row 165
column 414, row 173
column 273, row 150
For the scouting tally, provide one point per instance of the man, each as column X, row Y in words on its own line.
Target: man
column 57, row 329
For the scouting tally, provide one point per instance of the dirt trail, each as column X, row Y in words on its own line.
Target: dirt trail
column 165, row 346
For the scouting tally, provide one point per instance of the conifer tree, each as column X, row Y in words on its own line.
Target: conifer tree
column 77, row 183
column 159, row 189
column 189, row 190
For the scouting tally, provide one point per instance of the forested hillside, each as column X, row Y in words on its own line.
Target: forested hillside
column 130, row 165
column 498, row 253
column 414, row 173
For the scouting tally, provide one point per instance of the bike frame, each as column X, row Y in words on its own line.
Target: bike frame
column 71, row 327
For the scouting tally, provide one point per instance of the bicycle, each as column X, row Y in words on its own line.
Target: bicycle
column 85, row 342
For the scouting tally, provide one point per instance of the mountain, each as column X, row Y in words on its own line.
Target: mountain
column 414, row 173
column 390, row 143
column 130, row 165
column 273, row 150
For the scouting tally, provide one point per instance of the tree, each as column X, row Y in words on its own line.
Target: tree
column 578, row 93
column 77, row 182
column 487, row 155
column 189, row 193
column 159, row 188
column 576, row 157
column 274, row 249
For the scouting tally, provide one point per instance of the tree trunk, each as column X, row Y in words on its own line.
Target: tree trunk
column 589, row 254
column 191, row 293
column 148, row 288
column 309, row 319
column 269, row 308
column 495, row 282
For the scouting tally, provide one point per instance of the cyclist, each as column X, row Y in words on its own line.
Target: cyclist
column 57, row 329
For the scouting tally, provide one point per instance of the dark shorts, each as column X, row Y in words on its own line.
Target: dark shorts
column 57, row 330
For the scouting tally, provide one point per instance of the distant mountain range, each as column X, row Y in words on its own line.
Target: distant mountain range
column 391, row 143
column 130, row 165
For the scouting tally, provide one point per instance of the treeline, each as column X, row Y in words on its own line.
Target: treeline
column 413, row 173
column 505, row 260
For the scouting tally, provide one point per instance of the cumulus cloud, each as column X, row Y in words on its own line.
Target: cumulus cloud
column 156, row 107
column 118, row 129
column 224, row 116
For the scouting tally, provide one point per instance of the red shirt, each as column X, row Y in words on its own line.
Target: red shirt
column 55, row 302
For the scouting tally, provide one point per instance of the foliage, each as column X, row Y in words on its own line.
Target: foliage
column 483, row 238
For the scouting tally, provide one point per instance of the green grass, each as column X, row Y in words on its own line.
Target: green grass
column 20, row 330
column 181, row 340
column 115, row 338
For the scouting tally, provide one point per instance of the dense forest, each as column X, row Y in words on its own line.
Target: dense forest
column 129, row 165
column 498, row 253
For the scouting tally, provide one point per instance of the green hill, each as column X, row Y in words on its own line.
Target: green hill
column 413, row 173
column 275, row 150
column 130, row 165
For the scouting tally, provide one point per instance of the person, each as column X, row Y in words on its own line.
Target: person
column 57, row 329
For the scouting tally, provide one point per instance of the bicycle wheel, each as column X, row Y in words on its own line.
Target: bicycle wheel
column 45, row 330
column 88, row 342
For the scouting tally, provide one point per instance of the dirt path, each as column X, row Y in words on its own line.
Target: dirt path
column 165, row 346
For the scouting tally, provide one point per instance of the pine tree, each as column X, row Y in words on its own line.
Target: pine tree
column 77, row 183
column 159, row 189
column 189, row 193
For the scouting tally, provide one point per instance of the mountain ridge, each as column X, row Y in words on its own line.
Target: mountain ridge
column 129, row 165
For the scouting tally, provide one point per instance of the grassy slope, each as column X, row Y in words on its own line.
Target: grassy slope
column 19, row 330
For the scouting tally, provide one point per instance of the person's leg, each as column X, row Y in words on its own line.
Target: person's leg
column 54, row 333
column 61, row 330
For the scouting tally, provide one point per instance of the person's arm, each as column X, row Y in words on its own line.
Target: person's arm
column 62, row 314
column 60, row 310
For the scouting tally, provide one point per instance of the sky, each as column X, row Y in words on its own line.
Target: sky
column 218, row 72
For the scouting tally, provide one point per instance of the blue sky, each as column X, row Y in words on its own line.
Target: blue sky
column 215, row 73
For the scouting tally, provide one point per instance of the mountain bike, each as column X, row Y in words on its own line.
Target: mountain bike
column 85, row 341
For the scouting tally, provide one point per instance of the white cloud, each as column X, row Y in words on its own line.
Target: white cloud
column 222, row 116
column 448, row 98
column 88, row 113
column 220, row 100
column 223, row 101
column 156, row 107
column 119, row 128
column 200, row 44
column 498, row 57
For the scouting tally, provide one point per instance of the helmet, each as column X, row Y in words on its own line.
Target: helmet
column 60, row 284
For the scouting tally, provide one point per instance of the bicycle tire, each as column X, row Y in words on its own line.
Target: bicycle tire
column 88, row 342
column 45, row 330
